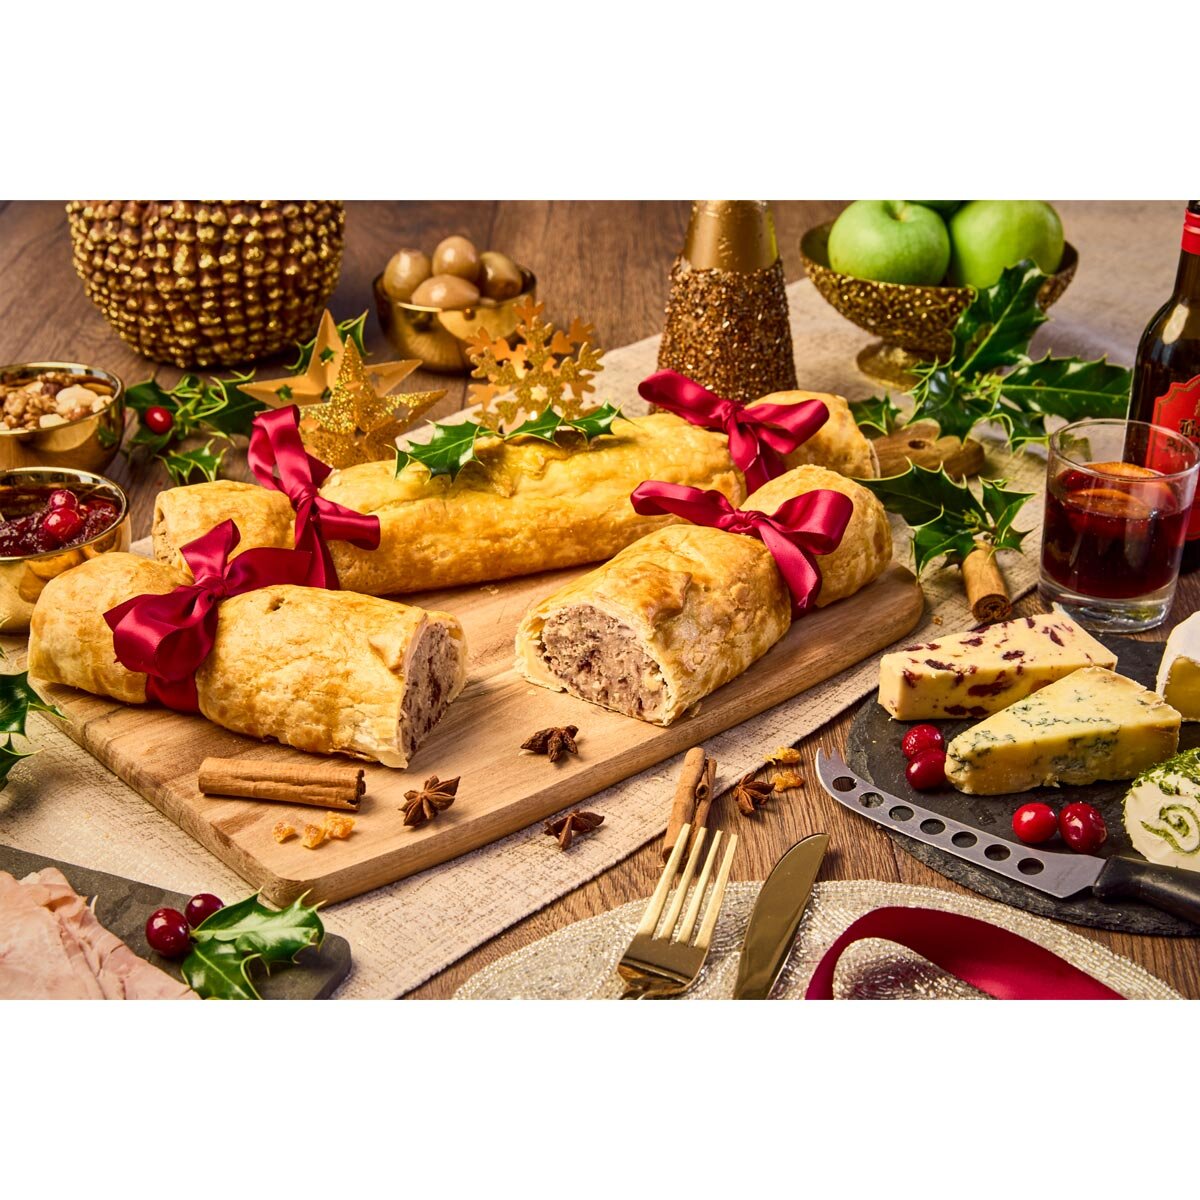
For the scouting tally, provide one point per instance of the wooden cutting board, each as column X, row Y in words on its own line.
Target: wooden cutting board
column 158, row 752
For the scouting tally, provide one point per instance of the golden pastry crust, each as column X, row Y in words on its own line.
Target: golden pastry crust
column 866, row 547
column 532, row 506
column 701, row 604
column 688, row 608
column 329, row 672
column 839, row 444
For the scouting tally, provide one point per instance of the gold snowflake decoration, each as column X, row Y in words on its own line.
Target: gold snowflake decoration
column 547, row 368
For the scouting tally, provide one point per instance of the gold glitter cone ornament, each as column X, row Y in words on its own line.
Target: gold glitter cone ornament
column 727, row 315
column 203, row 283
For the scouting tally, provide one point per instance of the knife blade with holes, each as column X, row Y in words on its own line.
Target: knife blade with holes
column 1058, row 874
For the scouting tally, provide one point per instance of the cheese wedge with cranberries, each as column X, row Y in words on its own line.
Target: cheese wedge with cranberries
column 1179, row 672
column 1091, row 725
column 986, row 669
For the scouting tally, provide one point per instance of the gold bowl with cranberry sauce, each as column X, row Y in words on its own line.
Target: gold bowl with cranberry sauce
column 60, row 414
column 50, row 521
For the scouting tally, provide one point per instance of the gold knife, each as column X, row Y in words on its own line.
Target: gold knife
column 776, row 917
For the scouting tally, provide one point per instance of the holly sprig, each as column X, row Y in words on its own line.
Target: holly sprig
column 228, row 944
column 989, row 375
column 217, row 407
column 949, row 519
column 454, row 445
column 17, row 701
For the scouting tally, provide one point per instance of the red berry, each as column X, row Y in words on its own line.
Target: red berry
column 1035, row 823
column 927, row 770
column 60, row 525
column 201, row 907
column 158, row 420
column 1082, row 828
column 921, row 738
column 167, row 932
column 62, row 498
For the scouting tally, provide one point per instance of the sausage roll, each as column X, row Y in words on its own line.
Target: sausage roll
column 839, row 444
column 329, row 672
column 688, row 608
column 530, row 506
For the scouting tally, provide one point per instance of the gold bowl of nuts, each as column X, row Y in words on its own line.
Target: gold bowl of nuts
column 431, row 307
column 60, row 414
column 52, row 519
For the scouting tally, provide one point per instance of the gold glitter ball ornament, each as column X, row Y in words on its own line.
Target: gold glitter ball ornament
column 727, row 322
column 356, row 424
column 202, row 283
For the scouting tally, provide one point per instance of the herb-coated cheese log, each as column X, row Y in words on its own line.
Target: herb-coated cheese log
column 1162, row 812
column 319, row 670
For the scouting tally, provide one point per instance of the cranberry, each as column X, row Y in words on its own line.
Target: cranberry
column 927, row 770
column 201, row 907
column 62, row 498
column 1034, row 823
column 60, row 525
column 167, row 932
column 921, row 738
column 1082, row 828
column 158, row 420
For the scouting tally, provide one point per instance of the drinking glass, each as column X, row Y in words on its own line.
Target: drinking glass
column 1117, row 500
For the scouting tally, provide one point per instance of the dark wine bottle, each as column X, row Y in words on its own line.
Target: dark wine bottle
column 1166, row 375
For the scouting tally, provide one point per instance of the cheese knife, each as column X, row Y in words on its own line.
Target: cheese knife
column 776, row 917
column 1056, row 874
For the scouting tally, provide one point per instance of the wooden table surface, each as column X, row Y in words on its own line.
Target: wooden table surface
column 605, row 261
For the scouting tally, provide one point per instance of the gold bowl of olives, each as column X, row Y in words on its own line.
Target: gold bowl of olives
column 431, row 307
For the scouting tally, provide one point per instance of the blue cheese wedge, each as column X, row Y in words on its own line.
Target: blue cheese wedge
column 1178, row 680
column 984, row 670
column 1091, row 725
column 1162, row 812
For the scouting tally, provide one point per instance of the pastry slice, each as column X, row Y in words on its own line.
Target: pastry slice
column 1162, row 812
column 1178, row 680
column 1090, row 725
column 686, row 609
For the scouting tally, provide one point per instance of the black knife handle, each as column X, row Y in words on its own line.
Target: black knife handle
column 1168, row 888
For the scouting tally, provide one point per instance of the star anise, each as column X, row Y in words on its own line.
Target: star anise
column 553, row 742
column 573, row 824
column 436, row 796
column 750, row 794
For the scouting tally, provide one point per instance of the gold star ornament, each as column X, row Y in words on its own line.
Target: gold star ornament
column 357, row 424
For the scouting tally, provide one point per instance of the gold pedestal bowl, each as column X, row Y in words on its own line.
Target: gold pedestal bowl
column 23, row 577
column 914, row 323
column 88, row 443
column 439, row 337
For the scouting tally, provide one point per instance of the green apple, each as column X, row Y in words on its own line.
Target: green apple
column 894, row 241
column 988, row 235
column 945, row 207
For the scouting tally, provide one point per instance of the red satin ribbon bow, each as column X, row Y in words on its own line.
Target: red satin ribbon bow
column 759, row 437
column 1002, row 964
column 278, row 459
column 800, row 528
column 166, row 637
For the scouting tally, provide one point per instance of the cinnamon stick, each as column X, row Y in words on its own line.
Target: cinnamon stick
column 324, row 785
column 683, row 805
column 987, row 593
column 704, row 800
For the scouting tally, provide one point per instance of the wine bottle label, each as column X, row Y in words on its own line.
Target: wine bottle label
column 1191, row 232
column 1179, row 408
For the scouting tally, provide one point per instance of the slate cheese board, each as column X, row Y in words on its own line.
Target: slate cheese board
column 122, row 906
column 873, row 751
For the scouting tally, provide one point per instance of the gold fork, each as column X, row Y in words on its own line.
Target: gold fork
column 668, row 964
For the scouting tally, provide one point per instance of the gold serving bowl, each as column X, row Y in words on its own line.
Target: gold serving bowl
column 914, row 322
column 23, row 577
column 440, row 337
column 88, row 443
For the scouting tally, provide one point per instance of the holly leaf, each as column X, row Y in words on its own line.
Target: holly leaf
column 447, row 452
column 956, row 405
column 595, row 423
column 149, row 395
column 1061, row 387
column 544, row 426
column 183, row 464
column 877, row 413
column 995, row 328
column 237, row 410
column 251, row 928
column 9, row 757
column 1002, row 506
column 218, row 971
column 17, row 701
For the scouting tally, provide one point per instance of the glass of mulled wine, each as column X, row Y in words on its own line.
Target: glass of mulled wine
column 1117, row 501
